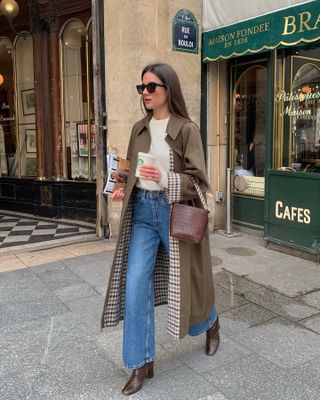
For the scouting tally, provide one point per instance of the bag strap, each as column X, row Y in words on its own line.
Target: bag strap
column 202, row 199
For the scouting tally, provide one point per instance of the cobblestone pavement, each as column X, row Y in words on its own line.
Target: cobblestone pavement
column 51, row 346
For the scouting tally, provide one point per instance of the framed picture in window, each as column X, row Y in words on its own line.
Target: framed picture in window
column 28, row 102
column 31, row 167
column 83, row 141
column 31, row 140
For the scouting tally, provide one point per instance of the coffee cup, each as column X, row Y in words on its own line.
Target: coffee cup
column 144, row 158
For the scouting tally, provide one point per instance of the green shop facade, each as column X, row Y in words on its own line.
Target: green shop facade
column 273, row 120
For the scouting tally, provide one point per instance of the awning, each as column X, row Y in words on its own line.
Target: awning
column 286, row 27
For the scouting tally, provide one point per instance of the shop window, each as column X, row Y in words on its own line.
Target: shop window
column 80, row 143
column 304, row 111
column 7, row 110
column 249, row 125
column 26, row 153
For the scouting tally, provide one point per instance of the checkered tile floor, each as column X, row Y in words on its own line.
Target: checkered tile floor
column 16, row 230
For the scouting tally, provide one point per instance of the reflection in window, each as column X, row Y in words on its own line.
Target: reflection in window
column 7, row 110
column 78, row 101
column 249, row 101
column 26, row 155
column 305, row 114
column 17, row 149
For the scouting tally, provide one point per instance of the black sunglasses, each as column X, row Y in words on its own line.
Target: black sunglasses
column 151, row 87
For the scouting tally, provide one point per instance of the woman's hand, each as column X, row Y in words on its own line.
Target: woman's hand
column 117, row 195
column 149, row 172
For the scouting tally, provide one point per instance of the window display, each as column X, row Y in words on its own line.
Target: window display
column 26, row 154
column 78, row 100
column 249, row 101
column 304, row 111
column 7, row 110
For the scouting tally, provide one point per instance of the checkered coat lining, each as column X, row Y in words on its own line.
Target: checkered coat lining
column 167, row 269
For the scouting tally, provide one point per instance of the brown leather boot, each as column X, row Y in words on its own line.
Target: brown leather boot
column 135, row 382
column 213, row 339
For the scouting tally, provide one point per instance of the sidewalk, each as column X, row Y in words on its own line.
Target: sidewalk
column 51, row 347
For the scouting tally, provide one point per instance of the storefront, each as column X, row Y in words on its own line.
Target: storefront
column 270, row 66
column 47, row 138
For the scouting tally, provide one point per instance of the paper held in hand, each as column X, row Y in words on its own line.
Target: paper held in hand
column 118, row 170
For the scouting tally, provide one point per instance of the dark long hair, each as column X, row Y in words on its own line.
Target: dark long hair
column 169, row 77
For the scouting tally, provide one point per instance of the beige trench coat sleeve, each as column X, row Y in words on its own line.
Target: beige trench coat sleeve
column 131, row 143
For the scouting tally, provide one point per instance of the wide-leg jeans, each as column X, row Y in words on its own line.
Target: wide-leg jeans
column 150, row 226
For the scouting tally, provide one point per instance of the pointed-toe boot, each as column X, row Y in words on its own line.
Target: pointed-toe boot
column 135, row 382
column 213, row 338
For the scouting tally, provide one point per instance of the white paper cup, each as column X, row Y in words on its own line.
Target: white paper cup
column 144, row 158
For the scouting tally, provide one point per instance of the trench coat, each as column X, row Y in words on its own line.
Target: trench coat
column 183, row 279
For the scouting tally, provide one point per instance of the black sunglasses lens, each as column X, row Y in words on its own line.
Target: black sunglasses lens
column 140, row 88
column 151, row 87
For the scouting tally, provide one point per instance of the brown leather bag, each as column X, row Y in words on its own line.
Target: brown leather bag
column 189, row 223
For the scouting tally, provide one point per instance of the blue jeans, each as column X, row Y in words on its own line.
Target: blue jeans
column 150, row 226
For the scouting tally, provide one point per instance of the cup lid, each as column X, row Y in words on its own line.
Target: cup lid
column 146, row 155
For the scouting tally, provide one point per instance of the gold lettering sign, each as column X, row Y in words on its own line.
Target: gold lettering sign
column 290, row 97
column 240, row 36
column 294, row 214
column 305, row 21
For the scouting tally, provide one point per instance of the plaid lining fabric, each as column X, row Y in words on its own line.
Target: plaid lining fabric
column 161, row 277
column 174, row 184
column 114, row 307
column 166, row 275
column 173, row 322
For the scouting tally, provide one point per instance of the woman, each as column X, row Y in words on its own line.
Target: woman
column 150, row 267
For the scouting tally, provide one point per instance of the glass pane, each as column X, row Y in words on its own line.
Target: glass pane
column 249, row 104
column 76, row 97
column 26, row 152
column 91, row 104
column 90, row 66
column 7, row 110
column 305, row 122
